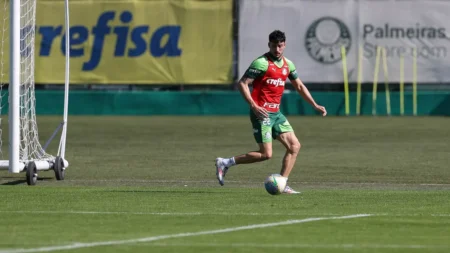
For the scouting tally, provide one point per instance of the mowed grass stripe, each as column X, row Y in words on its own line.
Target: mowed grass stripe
column 162, row 237
column 300, row 245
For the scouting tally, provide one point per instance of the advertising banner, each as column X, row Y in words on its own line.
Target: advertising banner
column 412, row 30
column 134, row 42
column 415, row 30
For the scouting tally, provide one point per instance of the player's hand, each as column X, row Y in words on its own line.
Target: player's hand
column 321, row 109
column 260, row 112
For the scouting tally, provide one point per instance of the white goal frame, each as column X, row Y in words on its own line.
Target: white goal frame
column 17, row 164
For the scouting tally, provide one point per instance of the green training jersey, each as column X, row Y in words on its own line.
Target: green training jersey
column 259, row 67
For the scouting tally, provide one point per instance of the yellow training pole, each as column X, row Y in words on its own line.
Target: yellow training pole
column 386, row 82
column 402, row 85
column 358, row 86
column 375, row 82
column 415, row 81
column 344, row 69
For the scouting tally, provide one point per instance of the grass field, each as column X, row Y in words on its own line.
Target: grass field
column 147, row 184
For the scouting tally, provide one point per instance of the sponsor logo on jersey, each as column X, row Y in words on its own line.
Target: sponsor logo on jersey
column 255, row 71
column 275, row 82
column 271, row 105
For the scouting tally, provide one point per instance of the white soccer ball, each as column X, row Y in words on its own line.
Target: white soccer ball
column 275, row 184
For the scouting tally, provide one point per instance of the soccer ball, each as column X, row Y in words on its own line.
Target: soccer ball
column 275, row 184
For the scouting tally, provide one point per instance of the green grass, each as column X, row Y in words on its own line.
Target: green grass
column 143, row 177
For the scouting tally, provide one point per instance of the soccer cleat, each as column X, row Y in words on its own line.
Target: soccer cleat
column 221, row 170
column 289, row 190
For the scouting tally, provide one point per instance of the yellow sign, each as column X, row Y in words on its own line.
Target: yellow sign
column 135, row 42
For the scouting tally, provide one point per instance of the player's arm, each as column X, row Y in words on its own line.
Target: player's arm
column 244, row 82
column 254, row 71
column 302, row 90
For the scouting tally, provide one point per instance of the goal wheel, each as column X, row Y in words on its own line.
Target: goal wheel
column 59, row 168
column 31, row 174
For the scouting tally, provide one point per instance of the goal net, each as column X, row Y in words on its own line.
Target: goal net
column 20, row 147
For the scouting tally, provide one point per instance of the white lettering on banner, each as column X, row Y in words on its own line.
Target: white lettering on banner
column 272, row 105
column 370, row 51
column 390, row 32
column 394, row 32
column 403, row 29
column 276, row 82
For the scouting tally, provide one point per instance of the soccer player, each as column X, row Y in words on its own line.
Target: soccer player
column 268, row 74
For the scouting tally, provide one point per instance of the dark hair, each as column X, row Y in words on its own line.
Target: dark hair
column 277, row 36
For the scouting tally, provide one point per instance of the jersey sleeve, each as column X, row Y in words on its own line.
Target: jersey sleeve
column 292, row 71
column 257, row 69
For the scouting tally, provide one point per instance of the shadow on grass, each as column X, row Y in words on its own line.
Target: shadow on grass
column 17, row 181
column 206, row 191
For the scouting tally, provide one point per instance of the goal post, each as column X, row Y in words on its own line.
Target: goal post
column 25, row 152
column 14, row 87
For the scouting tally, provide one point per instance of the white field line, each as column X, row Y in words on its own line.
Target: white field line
column 195, row 183
column 295, row 245
column 246, row 182
column 69, row 212
column 162, row 237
